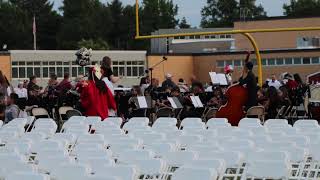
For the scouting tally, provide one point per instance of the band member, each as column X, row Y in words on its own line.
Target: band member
column 228, row 70
column 248, row 80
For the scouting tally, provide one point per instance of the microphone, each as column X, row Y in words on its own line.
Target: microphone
column 164, row 58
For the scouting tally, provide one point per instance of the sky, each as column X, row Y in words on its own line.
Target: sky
column 191, row 8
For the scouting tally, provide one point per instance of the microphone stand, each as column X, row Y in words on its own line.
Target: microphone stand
column 154, row 66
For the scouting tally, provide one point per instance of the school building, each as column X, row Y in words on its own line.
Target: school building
column 292, row 52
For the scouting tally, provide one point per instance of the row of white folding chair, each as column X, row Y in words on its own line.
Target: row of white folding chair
column 192, row 123
column 115, row 120
column 13, row 162
column 27, row 176
column 45, row 125
column 306, row 123
column 217, row 122
column 190, row 173
column 267, row 169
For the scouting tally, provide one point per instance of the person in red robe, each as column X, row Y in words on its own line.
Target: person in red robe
column 96, row 97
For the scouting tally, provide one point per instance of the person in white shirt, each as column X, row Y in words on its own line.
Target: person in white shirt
column 274, row 82
column 21, row 91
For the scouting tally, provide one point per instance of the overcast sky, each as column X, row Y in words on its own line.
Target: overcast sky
column 191, row 8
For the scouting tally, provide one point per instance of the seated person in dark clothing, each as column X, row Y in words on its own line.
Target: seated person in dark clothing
column 196, row 84
column 2, row 112
column 134, row 110
column 168, row 83
column 273, row 103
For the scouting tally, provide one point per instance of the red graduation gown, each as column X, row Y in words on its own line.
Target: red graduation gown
column 96, row 103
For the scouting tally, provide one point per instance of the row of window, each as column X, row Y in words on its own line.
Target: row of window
column 273, row 61
column 21, row 70
column 222, row 36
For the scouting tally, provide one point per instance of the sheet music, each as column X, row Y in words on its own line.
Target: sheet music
column 222, row 79
column 142, row 102
column 218, row 78
column 198, row 101
column 194, row 101
column 213, row 75
column 173, row 104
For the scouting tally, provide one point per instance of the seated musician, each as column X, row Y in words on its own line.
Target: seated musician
column 249, row 81
column 134, row 110
column 218, row 98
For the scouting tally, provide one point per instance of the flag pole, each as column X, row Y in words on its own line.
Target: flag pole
column 34, row 29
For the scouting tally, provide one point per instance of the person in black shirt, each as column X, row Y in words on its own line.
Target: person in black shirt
column 107, row 70
column 248, row 80
column 168, row 83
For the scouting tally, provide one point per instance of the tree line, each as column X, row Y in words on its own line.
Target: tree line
column 101, row 26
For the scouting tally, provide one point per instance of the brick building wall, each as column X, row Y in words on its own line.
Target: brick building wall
column 5, row 64
column 276, row 40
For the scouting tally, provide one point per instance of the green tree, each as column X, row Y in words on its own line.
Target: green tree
column 301, row 8
column 184, row 24
column 98, row 44
column 223, row 13
column 48, row 21
column 157, row 14
column 82, row 19
column 16, row 27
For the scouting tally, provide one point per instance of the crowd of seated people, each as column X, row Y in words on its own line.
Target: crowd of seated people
column 273, row 95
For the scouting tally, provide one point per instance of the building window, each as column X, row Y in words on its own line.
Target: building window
column 271, row 62
column 229, row 62
column 228, row 36
column 197, row 37
column 296, row 60
column 254, row 61
column 279, row 61
column 237, row 62
column 223, row 36
column 264, row 62
column 213, row 36
column 191, row 37
column 288, row 61
column 306, row 60
column 220, row 63
column 315, row 60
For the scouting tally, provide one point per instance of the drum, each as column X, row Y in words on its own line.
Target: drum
column 314, row 109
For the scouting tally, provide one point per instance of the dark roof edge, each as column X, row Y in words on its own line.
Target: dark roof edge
column 234, row 52
column 277, row 18
column 4, row 53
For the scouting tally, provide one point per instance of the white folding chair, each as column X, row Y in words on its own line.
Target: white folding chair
column 115, row 120
column 1, row 123
column 27, row 176
column 129, row 156
column 187, row 140
column 186, row 173
column 276, row 123
column 93, row 120
column 121, row 171
column 143, row 120
column 178, row 159
column 161, row 148
column 306, row 123
column 151, row 168
column 70, row 171
column 47, row 164
column 217, row 164
column 232, row 158
column 218, row 122
column 165, row 122
column 91, row 138
column 267, row 170
column 250, row 122
column 192, row 123
column 267, row 156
